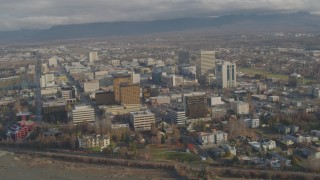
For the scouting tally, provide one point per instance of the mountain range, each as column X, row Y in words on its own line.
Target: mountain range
column 290, row 22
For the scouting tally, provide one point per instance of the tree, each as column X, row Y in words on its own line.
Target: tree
column 163, row 139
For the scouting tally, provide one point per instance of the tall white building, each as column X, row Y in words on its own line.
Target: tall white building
column 207, row 62
column 142, row 120
column 82, row 113
column 226, row 74
column 177, row 115
column 93, row 56
column 135, row 78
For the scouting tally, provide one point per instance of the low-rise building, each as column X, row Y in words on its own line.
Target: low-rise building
column 82, row 113
column 216, row 137
column 94, row 141
column 240, row 107
column 142, row 120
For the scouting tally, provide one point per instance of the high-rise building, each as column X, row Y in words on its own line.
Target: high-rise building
column 82, row 113
column 183, row 57
column 47, row 80
column 195, row 105
column 177, row 115
column 207, row 62
column 129, row 93
column 117, row 81
column 142, row 120
column 226, row 74
column 93, row 56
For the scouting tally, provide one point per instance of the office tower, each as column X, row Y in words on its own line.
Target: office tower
column 104, row 98
column 135, row 78
column 130, row 93
column 68, row 94
column 177, row 115
column 226, row 74
column 142, row 120
column 117, row 81
column 195, row 105
column 82, row 113
column 47, row 80
column 93, row 56
column 207, row 62
column 183, row 57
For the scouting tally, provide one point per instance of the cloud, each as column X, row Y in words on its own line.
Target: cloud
column 39, row 14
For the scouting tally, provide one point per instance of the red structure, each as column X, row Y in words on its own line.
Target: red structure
column 26, row 127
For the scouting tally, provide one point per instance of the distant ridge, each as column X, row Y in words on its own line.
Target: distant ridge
column 292, row 22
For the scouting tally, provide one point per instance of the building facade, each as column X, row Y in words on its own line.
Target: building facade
column 142, row 120
column 226, row 74
column 82, row 113
column 207, row 62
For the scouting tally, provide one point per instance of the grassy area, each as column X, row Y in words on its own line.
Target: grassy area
column 164, row 152
column 177, row 156
column 252, row 71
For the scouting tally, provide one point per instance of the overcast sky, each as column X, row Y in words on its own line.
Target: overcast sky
column 40, row 14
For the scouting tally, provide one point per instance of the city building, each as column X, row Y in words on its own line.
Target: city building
column 47, row 80
column 177, row 115
column 54, row 111
column 252, row 122
column 68, row 94
column 240, row 107
column 295, row 80
column 216, row 137
column 207, row 62
column 93, row 56
column 105, row 98
column 93, row 141
column 142, row 120
column 150, row 91
column 195, row 105
column 171, row 80
column 91, row 86
column 130, row 93
column 82, row 113
column 226, row 74
column 117, row 81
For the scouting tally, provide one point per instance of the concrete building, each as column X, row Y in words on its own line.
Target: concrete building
column 214, row 100
column 135, row 78
column 207, row 62
column 68, row 95
column 105, row 98
column 226, row 74
column 171, row 80
column 252, row 122
column 216, row 137
column 91, row 86
column 130, row 93
column 92, row 141
column 240, row 107
column 117, row 81
column 295, row 80
column 177, row 115
column 82, row 113
column 142, row 120
column 195, row 105
column 47, row 80
column 93, row 56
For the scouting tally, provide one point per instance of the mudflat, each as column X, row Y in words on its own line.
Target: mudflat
column 17, row 167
